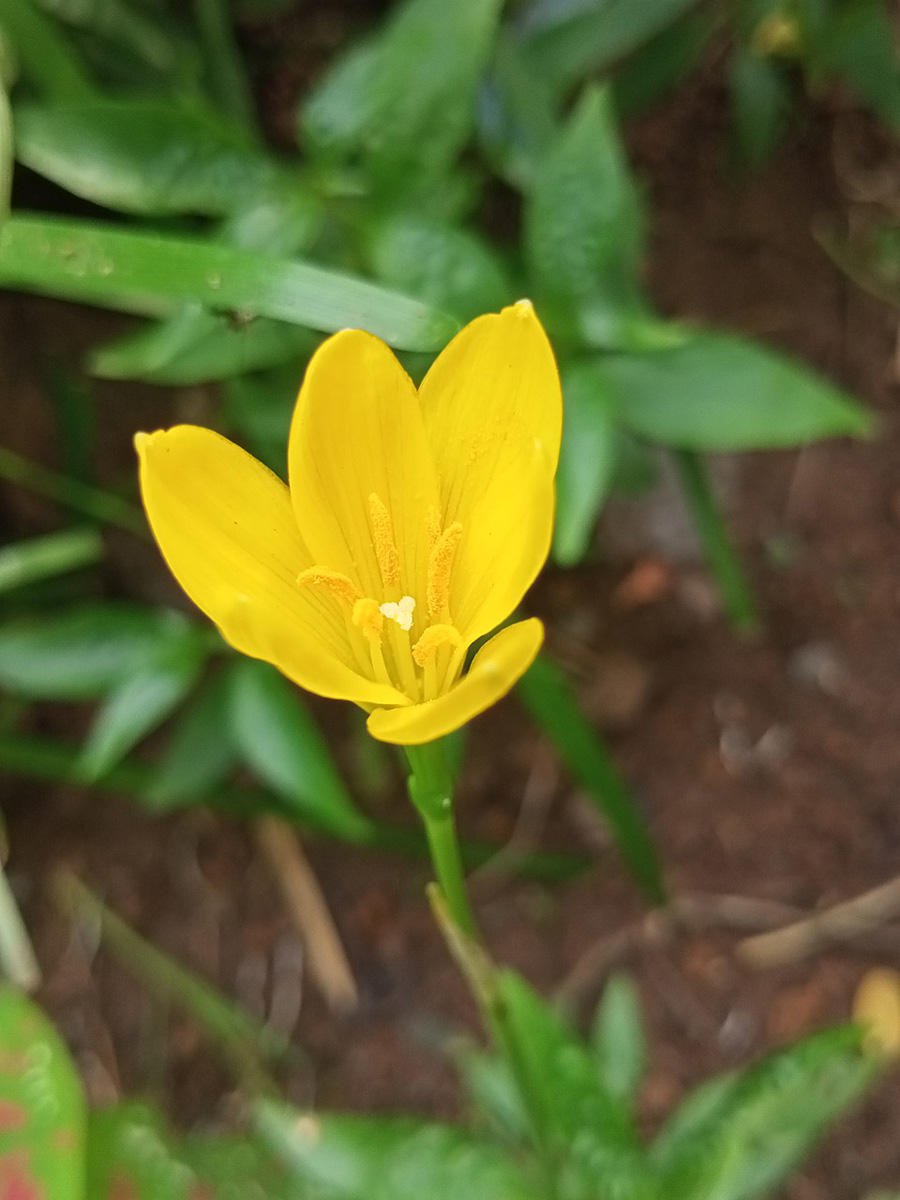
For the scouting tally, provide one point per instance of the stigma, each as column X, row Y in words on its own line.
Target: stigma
column 401, row 612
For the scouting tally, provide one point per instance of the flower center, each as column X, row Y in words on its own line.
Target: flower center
column 421, row 662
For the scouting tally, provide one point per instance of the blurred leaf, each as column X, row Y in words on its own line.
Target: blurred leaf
column 242, row 1039
column 492, row 1089
column 73, row 407
column 566, row 39
column 43, row 1127
column 761, row 105
column 195, row 345
column 389, row 1158
column 546, row 693
column 453, row 269
column 132, row 1153
column 260, row 406
column 44, row 557
column 142, row 702
column 335, row 114
column 517, row 115
column 142, row 156
column 84, row 652
column 618, row 1039
column 587, row 459
column 280, row 741
column 201, row 754
column 133, row 31
column 859, row 43
column 659, row 64
column 145, row 272
column 717, row 392
column 6, row 146
column 406, row 101
column 45, row 56
column 870, row 257
column 739, row 1136
column 584, row 225
column 591, row 1135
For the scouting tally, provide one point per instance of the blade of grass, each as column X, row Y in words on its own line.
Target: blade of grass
column 79, row 260
column 720, row 554
column 92, row 502
column 244, row 1041
column 17, row 961
column 546, row 694
column 42, row 558
column 56, row 762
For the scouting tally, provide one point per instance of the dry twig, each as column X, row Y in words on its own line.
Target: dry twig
column 308, row 911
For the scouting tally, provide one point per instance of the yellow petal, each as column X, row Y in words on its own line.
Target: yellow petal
column 361, row 473
column 495, row 668
column 492, row 407
column 225, row 526
column 876, row 1006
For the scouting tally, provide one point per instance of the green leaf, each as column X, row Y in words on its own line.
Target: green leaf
column 717, row 392
column 565, row 39
column 146, row 272
column 43, row 1127
column 389, row 1158
column 280, row 741
column 406, row 101
column 44, row 557
column 654, row 69
column 584, row 226
column 46, row 57
column 618, row 1039
column 453, row 269
column 260, row 406
column 150, row 157
column 201, row 753
column 761, row 105
column 859, row 43
column 195, row 345
column 591, row 1135
column 587, row 459
column 83, row 652
column 741, row 1135
column 545, row 692
column 132, row 1152
column 142, row 702
column 517, row 115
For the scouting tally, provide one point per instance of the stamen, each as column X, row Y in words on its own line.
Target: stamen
column 432, row 526
column 401, row 612
column 440, row 566
column 339, row 585
column 383, row 538
column 366, row 616
column 431, row 641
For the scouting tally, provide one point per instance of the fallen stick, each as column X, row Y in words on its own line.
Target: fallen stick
column 308, row 911
column 844, row 922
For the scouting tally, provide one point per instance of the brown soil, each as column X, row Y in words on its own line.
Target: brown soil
column 767, row 768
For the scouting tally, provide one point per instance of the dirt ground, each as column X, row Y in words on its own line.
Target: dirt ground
column 767, row 768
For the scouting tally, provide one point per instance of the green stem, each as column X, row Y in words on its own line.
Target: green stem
column 93, row 502
column 431, row 790
column 720, row 554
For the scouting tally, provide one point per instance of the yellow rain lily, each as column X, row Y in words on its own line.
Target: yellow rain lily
column 414, row 523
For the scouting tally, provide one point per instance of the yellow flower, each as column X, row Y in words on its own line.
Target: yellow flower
column 414, row 524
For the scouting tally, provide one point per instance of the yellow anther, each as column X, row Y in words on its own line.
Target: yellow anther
column 401, row 612
column 383, row 538
column 432, row 526
column 440, row 566
column 431, row 641
column 339, row 585
column 367, row 617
